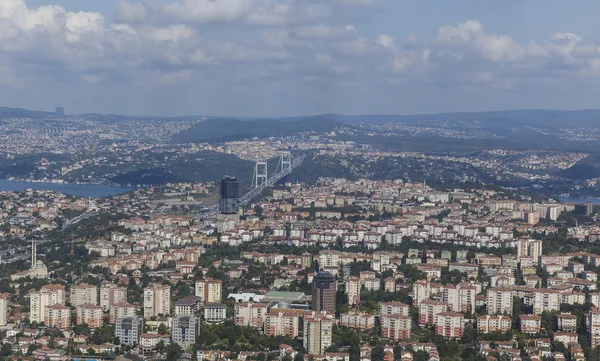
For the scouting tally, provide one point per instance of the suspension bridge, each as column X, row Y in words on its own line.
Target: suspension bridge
column 262, row 180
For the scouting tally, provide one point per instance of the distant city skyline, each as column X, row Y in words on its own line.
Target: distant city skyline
column 253, row 58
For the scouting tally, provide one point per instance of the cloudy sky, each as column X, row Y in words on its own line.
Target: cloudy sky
column 298, row 57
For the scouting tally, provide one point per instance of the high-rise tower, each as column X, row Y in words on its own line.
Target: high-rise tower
column 324, row 291
column 230, row 194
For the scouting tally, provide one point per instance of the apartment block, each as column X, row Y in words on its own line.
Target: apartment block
column 57, row 316
column 281, row 324
column 428, row 309
column 353, row 287
column 490, row 324
column 566, row 322
column 394, row 308
column 449, row 324
column 4, row 300
column 209, row 290
column 250, row 314
column 461, row 297
column 157, row 300
column 120, row 310
column 396, row 327
column 48, row 295
column 84, row 294
column 112, row 294
column 91, row 315
column 499, row 301
column 530, row 323
column 317, row 333
column 357, row 320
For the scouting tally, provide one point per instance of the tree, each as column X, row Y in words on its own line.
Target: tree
column 6, row 349
column 299, row 357
column 174, row 352
column 162, row 329
column 91, row 351
column 377, row 353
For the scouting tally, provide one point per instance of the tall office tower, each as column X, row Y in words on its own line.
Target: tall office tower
column 185, row 330
column 324, row 289
column 129, row 329
column 60, row 111
column 157, row 300
column 230, row 194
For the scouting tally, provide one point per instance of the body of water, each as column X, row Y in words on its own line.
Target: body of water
column 579, row 200
column 81, row 190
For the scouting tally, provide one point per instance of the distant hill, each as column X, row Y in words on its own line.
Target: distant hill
column 6, row 112
column 587, row 168
column 538, row 118
column 551, row 119
column 234, row 129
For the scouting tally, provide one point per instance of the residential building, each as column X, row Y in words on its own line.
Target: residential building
column 209, row 290
column 281, row 323
column 428, row 309
column 57, row 316
column 112, row 294
column 566, row 322
column 157, row 300
column 396, row 327
column 499, row 301
column 188, row 305
column 250, row 314
column 353, row 286
column 461, row 297
column 449, row 324
column 119, row 310
column 317, row 333
column 84, row 294
column 357, row 320
column 530, row 323
column 490, row 324
column 91, row 315
column 394, row 308
column 215, row 313
column 4, row 300
column 48, row 295
column 593, row 326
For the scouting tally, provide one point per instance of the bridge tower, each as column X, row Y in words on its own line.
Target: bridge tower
column 260, row 175
column 285, row 161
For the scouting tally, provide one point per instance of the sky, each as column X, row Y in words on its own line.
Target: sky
column 253, row 58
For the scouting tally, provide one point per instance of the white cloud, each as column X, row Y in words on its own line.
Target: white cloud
column 386, row 41
column 324, row 33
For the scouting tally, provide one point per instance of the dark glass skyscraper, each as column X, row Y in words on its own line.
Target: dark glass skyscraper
column 324, row 290
column 230, row 194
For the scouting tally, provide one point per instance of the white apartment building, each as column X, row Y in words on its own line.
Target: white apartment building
column 157, row 300
column 48, row 295
column 84, row 294
column 210, row 290
column 499, row 301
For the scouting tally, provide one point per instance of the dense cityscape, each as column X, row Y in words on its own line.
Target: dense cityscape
column 339, row 269
column 299, row 180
